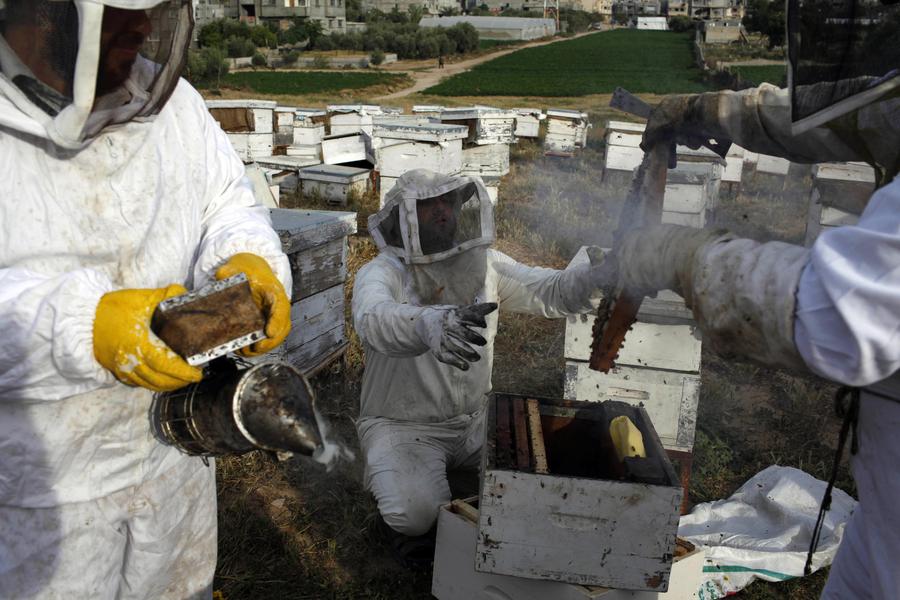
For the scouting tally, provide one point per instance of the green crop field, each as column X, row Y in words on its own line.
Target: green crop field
column 774, row 74
column 657, row 62
column 305, row 82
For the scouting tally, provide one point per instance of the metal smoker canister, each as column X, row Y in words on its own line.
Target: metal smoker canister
column 235, row 410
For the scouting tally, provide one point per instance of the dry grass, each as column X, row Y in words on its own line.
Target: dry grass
column 291, row 530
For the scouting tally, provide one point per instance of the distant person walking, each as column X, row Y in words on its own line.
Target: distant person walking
column 441, row 61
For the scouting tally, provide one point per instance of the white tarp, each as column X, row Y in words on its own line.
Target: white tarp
column 763, row 530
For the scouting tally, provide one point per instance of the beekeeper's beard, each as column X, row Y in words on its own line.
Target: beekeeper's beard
column 456, row 280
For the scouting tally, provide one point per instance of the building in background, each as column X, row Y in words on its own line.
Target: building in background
column 331, row 13
column 499, row 28
column 431, row 7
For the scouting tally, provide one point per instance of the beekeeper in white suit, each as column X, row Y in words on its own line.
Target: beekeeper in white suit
column 833, row 309
column 424, row 310
column 116, row 189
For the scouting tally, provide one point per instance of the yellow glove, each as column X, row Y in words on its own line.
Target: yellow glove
column 269, row 295
column 125, row 346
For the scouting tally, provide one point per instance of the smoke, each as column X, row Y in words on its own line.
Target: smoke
column 331, row 452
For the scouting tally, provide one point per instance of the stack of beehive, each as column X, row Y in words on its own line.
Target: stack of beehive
column 249, row 125
column 352, row 118
column 284, row 125
column 316, row 246
column 658, row 366
column 566, row 132
column 401, row 147
column 307, row 133
column 839, row 195
column 486, row 147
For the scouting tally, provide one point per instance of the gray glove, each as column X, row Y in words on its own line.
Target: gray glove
column 688, row 119
column 447, row 331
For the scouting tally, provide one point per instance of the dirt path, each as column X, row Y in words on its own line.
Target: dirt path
column 427, row 78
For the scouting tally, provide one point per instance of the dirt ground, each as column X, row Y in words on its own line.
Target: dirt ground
column 292, row 530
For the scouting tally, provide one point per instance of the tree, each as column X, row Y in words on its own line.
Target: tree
column 377, row 57
column 415, row 13
column 767, row 18
column 258, row 60
column 355, row 11
column 681, row 23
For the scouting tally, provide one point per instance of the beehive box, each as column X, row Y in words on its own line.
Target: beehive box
column 398, row 148
column 283, row 171
column 486, row 125
column 284, row 125
column 658, row 366
column 557, row 504
column 352, row 118
column 455, row 578
column 243, row 116
column 839, row 194
column 341, row 149
column 251, row 146
column 334, row 183
column 566, row 132
column 528, row 122
column 316, row 246
column 488, row 160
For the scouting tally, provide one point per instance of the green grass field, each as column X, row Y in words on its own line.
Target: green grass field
column 305, row 82
column 657, row 62
column 774, row 74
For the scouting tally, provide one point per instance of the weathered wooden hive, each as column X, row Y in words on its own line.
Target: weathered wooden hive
column 839, row 194
column 308, row 131
column 455, row 577
column 557, row 503
column 658, row 367
column 566, row 132
column 486, row 125
column 528, row 122
column 402, row 147
column 334, row 183
column 346, row 148
column 315, row 242
column 249, row 125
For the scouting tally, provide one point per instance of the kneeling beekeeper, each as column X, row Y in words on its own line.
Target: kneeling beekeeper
column 417, row 307
column 117, row 188
column 832, row 309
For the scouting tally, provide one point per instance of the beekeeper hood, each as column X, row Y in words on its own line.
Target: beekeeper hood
column 440, row 226
column 842, row 56
column 76, row 67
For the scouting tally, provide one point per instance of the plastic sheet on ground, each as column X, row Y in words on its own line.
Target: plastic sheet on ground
column 763, row 530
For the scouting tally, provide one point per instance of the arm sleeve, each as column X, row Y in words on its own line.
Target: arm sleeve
column 46, row 324
column 382, row 323
column 759, row 119
column 848, row 301
column 232, row 221
column 541, row 291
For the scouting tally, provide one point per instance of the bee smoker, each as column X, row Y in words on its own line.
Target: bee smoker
column 239, row 407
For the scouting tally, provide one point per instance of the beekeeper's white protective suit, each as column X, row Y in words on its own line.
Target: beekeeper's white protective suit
column 834, row 308
column 91, row 505
column 420, row 416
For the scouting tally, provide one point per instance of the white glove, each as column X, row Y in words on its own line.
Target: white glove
column 447, row 331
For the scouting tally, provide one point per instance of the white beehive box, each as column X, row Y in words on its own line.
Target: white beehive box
column 429, row 110
column 334, row 183
column 577, row 515
column 283, row 171
column 492, row 185
column 352, row 118
column 839, row 194
column 284, row 125
column 658, row 366
column 244, row 116
column 342, row 149
column 734, row 165
column 566, row 132
column 488, row 160
column 486, row 125
column 528, row 122
column 772, row 165
column 455, row 578
column 251, row 146
column 315, row 243
column 385, row 184
column 435, row 146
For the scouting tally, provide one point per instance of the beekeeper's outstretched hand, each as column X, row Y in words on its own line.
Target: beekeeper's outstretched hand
column 125, row 346
column 447, row 330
